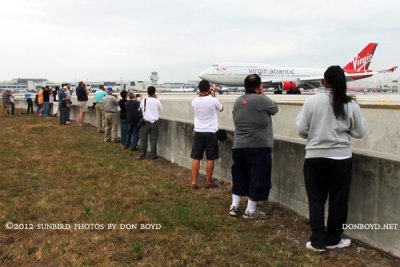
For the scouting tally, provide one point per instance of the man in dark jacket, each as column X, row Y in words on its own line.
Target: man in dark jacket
column 122, row 116
column 133, row 117
column 82, row 95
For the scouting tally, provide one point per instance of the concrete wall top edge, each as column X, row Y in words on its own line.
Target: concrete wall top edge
column 379, row 101
column 381, row 140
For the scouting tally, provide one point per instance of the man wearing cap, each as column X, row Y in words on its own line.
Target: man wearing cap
column 110, row 109
column 99, row 100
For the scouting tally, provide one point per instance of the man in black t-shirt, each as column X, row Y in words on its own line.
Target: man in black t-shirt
column 82, row 95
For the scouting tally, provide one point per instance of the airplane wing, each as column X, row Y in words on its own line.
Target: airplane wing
column 392, row 69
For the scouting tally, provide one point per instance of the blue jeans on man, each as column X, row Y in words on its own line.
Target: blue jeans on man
column 132, row 136
column 46, row 106
column 124, row 130
column 63, row 115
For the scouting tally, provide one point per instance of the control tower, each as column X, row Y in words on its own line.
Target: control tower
column 154, row 77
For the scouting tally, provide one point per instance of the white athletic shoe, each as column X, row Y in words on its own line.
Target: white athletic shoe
column 234, row 211
column 257, row 214
column 344, row 243
column 309, row 246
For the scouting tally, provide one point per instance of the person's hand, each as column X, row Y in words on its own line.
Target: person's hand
column 212, row 91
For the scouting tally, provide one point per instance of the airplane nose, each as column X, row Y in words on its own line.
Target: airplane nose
column 202, row 74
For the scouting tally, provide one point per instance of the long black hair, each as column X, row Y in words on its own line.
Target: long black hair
column 334, row 75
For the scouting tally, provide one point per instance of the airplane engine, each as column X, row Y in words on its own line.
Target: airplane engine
column 288, row 85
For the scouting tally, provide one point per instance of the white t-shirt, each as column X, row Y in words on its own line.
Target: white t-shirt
column 205, row 110
column 153, row 108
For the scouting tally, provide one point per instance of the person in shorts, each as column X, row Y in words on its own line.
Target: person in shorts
column 82, row 96
column 205, row 108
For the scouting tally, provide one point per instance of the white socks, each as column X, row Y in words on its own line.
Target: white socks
column 235, row 200
column 251, row 206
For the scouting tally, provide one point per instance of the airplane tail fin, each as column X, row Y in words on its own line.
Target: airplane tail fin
column 362, row 60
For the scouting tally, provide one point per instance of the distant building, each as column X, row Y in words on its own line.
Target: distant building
column 22, row 84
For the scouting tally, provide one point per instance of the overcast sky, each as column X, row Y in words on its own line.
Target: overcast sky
column 97, row 40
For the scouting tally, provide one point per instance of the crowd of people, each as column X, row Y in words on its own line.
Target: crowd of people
column 46, row 101
column 327, row 120
column 137, row 119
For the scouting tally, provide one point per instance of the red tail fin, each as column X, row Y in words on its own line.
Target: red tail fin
column 362, row 60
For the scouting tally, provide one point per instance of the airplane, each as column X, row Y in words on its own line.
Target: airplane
column 289, row 78
column 184, row 89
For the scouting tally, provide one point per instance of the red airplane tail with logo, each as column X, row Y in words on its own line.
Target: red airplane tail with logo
column 360, row 63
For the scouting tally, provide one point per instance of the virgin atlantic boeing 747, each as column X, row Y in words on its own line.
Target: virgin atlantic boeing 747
column 288, row 78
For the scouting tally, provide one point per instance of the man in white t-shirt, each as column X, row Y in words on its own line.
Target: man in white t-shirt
column 205, row 108
column 151, row 107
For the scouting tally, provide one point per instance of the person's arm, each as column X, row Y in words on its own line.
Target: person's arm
column 302, row 122
column 270, row 106
column 115, row 101
column 219, row 106
column 142, row 106
column 358, row 128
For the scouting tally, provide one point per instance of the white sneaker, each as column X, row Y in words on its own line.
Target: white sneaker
column 234, row 211
column 344, row 243
column 309, row 246
column 257, row 214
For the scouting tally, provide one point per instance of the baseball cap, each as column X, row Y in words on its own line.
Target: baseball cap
column 109, row 89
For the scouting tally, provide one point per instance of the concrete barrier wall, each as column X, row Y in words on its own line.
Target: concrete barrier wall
column 374, row 193
column 375, row 187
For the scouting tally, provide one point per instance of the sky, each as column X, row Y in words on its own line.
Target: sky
column 106, row 40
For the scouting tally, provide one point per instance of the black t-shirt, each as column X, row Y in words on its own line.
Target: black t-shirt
column 46, row 95
column 122, row 113
column 81, row 94
column 133, row 112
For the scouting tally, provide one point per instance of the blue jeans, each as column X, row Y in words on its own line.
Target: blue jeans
column 46, row 106
column 63, row 115
column 132, row 136
column 124, row 130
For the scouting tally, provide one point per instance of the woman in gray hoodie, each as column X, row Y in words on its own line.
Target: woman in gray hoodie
column 328, row 121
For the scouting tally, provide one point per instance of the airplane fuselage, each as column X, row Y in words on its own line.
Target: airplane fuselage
column 233, row 74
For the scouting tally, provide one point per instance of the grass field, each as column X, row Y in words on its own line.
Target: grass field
column 66, row 175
